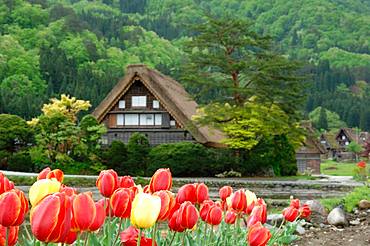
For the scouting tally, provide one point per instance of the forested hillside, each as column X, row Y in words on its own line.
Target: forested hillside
column 50, row 47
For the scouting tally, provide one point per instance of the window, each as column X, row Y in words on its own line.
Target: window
column 119, row 119
column 131, row 119
column 343, row 137
column 155, row 104
column 104, row 140
column 139, row 101
column 121, row 104
column 147, row 119
column 172, row 123
column 158, row 119
column 346, row 143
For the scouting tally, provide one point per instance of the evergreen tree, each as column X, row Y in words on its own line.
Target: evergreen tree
column 323, row 120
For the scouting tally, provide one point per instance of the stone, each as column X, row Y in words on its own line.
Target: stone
column 337, row 217
column 300, row 230
column 317, row 207
column 354, row 222
column 364, row 204
column 274, row 219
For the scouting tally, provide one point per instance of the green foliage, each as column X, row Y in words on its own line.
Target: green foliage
column 138, row 149
column 349, row 201
column 185, row 159
column 20, row 161
column 333, row 122
column 116, row 157
column 259, row 92
column 273, row 152
column 323, row 121
column 14, row 133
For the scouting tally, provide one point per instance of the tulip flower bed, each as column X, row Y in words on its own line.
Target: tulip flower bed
column 131, row 215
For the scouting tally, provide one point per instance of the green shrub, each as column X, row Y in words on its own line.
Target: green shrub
column 115, row 157
column 20, row 161
column 188, row 159
column 275, row 152
column 138, row 149
column 350, row 201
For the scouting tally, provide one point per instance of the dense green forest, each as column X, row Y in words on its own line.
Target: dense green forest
column 50, row 47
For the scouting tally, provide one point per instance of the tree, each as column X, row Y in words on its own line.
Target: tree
column 116, row 157
column 258, row 91
column 355, row 148
column 323, row 121
column 60, row 138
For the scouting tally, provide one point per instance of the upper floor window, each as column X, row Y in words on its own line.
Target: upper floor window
column 139, row 101
column 155, row 104
column 131, row 119
column 120, row 119
column 121, row 104
column 343, row 137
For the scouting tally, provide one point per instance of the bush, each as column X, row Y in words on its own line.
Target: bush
column 275, row 152
column 115, row 157
column 188, row 159
column 138, row 149
column 20, row 161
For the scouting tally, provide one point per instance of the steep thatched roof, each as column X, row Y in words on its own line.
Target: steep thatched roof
column 170, row 93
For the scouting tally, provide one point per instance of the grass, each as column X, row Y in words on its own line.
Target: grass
column 329, row 167
column 350, row 201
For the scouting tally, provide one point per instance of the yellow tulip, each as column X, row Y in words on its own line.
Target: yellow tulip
column 145, row 210
column 251, row 197
column 42, row 188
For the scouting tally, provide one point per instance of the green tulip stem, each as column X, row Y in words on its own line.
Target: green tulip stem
column 86, row 238
column 119, row 229
column 173, row 237
column 153, row 234
column 109, row 223
column 139, row 238
column 211, row 235
column 183, row 238
column 7, row 236
column 205, row 233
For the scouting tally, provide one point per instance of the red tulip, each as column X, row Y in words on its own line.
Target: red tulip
column 173, row 222
column 161, row 180
column 239, row 201
column 44, row 173
column 99, row 216
column 130, row 236
column 290, row 213
column 260, row 202
column 71, row 237
column 69, row 191
column 5, row 184
column 186, row 193
column 295, row 203
column 120, row 203
column 201, row 193
column 204, row 209
column 12, row 236
column 361, row 164
column 84, row 211
column 56, row 174
column 258, row 235
column 305, row 211
column 167, row 203
column 51, row 218
column 214, row 216
column 225, row 192
column 230, row 217
column 13, row 208
column 146, row 189
column 256, row 216
column 126, row 182
column 107, row 182
column 188, row 215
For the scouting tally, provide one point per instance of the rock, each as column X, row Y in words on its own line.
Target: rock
column 364, row 204
column 274, row 219
column 317, row 207
column 354, row 222
column 300, row 230
column 337, row 217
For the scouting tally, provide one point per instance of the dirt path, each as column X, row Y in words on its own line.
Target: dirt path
column 358, row 235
